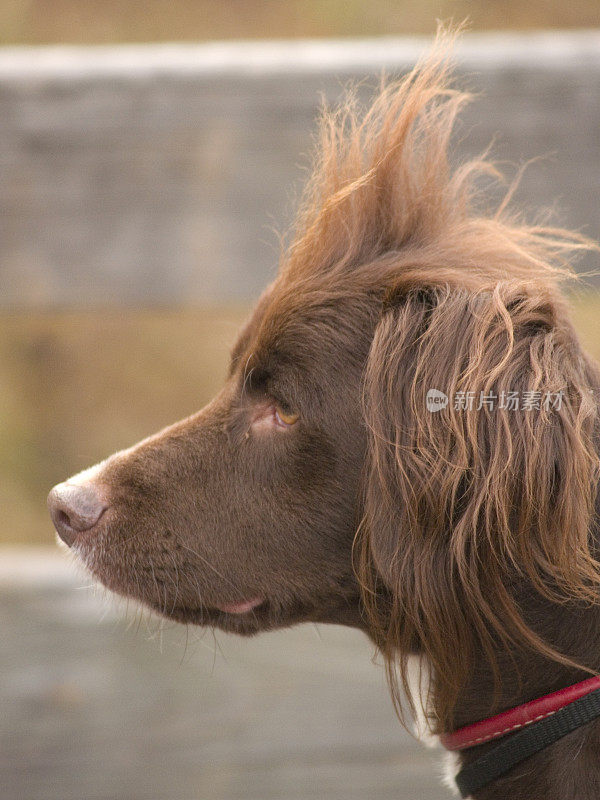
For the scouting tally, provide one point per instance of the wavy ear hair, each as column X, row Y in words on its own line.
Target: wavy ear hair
column 463, row 502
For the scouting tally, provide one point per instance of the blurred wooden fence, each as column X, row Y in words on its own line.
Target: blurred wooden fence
column 146, row 175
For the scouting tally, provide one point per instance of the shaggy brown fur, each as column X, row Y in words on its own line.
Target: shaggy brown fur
column 472, row 531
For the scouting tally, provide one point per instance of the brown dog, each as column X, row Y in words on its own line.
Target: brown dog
column 363, row 463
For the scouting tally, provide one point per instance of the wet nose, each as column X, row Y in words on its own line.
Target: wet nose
column 74, row 509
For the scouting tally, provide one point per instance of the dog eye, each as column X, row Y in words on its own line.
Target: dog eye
column 285, row 418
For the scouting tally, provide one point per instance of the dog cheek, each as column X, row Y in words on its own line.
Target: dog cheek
column 314, row 463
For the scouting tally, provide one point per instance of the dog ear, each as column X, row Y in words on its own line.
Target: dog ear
column 481, row 474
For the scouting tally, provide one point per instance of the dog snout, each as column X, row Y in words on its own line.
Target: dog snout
column 75, row 509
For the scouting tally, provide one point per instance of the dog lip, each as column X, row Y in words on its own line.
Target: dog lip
column 212, row 614
column 241, row 608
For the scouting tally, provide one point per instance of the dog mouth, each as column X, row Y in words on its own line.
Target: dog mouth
column 253, row 611
column 249, row 613
column 241, row 608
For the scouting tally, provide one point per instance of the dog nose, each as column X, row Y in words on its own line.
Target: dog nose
column 74, row 509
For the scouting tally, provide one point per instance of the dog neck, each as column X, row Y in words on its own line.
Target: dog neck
column 569, row 769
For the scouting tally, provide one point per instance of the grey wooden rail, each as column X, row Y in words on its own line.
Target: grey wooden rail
column 146, row 175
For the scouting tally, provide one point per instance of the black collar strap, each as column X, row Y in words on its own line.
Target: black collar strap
column 526, row 742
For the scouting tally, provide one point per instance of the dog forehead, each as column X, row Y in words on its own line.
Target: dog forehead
column 315, row 323
column 289, row 333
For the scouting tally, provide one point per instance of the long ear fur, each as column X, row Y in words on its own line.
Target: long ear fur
column 463, row 504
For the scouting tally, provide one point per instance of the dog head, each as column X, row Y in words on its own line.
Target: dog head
column 394, row 290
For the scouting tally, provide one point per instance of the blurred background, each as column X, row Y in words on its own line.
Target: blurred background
column 150, row 157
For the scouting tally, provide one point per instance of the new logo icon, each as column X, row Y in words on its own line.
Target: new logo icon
column 436, row 400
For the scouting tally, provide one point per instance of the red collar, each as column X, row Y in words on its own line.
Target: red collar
column 508, row 721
